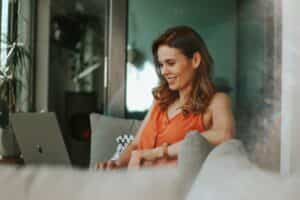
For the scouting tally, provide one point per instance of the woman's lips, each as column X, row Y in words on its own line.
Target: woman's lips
column 171, row 80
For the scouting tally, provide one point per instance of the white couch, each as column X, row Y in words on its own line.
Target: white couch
column 226, row 174
column 222, row 173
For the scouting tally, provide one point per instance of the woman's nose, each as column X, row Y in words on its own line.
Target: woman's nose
column 163, row 70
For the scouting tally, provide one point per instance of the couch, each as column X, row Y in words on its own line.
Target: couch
column 223, row 172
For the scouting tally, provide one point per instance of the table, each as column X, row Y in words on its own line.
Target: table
column 11, row 160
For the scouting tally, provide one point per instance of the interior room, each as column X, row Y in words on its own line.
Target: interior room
column 242, row 37
column 80, row 80
column 88, row 62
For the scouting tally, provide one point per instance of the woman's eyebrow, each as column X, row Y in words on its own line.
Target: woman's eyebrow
column 169, row 60
column 166, row 60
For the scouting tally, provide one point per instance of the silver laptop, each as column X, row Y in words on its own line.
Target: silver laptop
column 40, row 139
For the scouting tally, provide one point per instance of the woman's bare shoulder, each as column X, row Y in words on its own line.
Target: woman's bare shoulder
column 220, row 99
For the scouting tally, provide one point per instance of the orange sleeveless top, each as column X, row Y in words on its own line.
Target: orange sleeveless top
column 160, row 129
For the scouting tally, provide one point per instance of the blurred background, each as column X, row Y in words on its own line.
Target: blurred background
column 95, row 56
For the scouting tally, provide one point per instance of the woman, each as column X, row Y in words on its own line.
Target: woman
column 185, row 100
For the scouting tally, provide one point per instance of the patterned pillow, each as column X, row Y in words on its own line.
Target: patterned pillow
column 122, row 141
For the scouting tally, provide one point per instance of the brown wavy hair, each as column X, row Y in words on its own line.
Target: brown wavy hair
column 188, row 42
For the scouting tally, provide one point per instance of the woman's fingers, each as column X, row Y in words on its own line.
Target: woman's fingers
column 111, row 164
column 135, row 160
column 152, row 154
column 100, row 165
column 148, row 163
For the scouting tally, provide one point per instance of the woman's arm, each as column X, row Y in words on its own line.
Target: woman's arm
column 223, row 126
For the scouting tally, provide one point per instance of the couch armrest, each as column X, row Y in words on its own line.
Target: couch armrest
column 192, row 154
column 226, row 169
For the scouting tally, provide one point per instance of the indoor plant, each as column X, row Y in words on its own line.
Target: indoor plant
column 11, row 73
column 13, row 77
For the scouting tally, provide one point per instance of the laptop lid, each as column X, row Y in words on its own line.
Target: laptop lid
column 39, row 138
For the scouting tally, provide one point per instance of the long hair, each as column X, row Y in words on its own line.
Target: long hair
column 188, row 42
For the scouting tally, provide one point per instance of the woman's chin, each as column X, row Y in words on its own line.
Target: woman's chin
column 174, row 88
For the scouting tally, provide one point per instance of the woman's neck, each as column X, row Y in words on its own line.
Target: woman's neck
column 184, row 95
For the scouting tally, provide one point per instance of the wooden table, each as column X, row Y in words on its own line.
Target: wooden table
column 11, row 160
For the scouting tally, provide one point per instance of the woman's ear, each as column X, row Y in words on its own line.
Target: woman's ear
column 196, row 60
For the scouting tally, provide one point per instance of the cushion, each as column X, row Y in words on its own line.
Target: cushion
column 122, row 143
column 105, row 129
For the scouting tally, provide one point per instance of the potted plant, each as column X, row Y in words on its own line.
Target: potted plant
column 13, row 75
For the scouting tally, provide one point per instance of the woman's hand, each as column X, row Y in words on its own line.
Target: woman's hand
column 147, row 157
column 156, row 153
column 138, row 158
column 142, row 157
column 110, row 164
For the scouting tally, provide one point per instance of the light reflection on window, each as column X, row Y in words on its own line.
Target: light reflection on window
column 4, row 30
column 140, row 82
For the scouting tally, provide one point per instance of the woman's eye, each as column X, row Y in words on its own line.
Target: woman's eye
column 171, row 63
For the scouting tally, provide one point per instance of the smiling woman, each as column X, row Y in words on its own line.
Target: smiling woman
column 183, row 58
column 185, row 100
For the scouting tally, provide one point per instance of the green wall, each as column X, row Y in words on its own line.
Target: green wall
column 215, row 20
column 251, row 54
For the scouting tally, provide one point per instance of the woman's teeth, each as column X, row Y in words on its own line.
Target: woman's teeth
column 171, row 78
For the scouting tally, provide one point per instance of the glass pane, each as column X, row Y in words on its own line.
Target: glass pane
column 4, row 31
column 77, row 50
column 24, row 38
column 16, row 54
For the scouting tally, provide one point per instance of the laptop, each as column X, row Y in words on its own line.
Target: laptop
column 40, row 139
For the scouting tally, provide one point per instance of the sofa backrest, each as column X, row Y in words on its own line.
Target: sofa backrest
column 105, row 129
column 51, row 183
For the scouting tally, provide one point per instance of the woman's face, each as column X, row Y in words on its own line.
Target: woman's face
column 177, row 69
